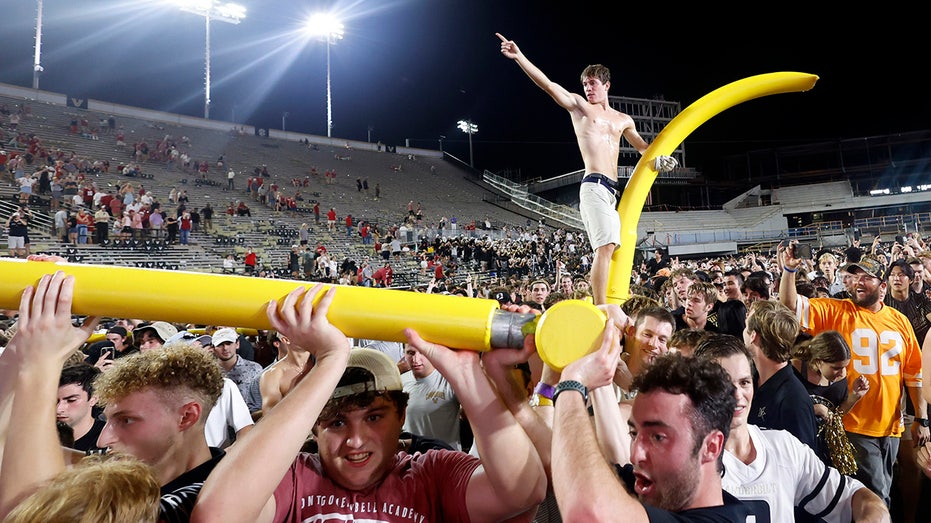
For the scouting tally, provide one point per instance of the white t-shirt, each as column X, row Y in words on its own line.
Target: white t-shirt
column 229, row 412
column 786, row 473
column 433, row 408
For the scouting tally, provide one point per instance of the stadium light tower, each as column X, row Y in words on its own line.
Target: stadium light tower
column 326, row 27
column 37, row 63
column 211, row 10
column 469, row 128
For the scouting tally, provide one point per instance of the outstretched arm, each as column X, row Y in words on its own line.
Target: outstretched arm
column 266, row 452
column 44, row 339
column 511, row 479
column 564, row 98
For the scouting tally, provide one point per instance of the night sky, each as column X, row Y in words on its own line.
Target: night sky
column 410, row 69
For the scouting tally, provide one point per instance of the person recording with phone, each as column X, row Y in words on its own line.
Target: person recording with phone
column 882, row 338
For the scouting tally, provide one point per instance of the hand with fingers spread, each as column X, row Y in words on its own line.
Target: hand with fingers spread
column 307, row 325
column 29, row 370
column 44, row 329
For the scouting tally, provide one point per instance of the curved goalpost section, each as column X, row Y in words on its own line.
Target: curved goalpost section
column 564, row 333
column 638, row 187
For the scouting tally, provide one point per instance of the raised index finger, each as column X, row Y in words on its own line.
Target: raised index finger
column 501, row 36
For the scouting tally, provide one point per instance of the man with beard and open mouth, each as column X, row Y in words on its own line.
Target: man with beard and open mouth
column 885, row 351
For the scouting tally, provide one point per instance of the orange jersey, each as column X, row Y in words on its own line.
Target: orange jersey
column 883, row 348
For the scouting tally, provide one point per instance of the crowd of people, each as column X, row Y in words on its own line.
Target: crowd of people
column 722, row 388
column 770, row 386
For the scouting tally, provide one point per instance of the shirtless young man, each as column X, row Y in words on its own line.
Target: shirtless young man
column 284, row 374
column 598, row 129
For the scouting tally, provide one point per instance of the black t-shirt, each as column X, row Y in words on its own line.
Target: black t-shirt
column 179, row 495
column 18, row 228
column 733, row 510
column 88, row 442
column 782, row 403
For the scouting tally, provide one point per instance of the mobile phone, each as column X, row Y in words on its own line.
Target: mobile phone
column 801, row 251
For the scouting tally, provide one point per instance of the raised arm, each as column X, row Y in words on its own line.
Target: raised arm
column 511, row 479
column 498, row 365
column 790, row 265
column 564, row 98
column 926, row 369
column 586, row 485
column 43, row 341
column 267, row 451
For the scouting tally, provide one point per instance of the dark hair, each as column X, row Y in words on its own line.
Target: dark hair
column 805, row 288
column 336, row 406
column 661, row 314
column 687, row 339
column 707, row 385
column 757, row 284
column 82, row 374
column 739, row 277
column 598, row 71
column 904, row 266
column 828, row 347
column 715, row 346
column 553, row 298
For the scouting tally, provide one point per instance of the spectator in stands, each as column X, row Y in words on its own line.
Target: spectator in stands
column 171, row 228
column 60, row 224
column 185, row 225
column 17, row 230
column 101, row 225
column 84, row 221
column 249, row 261
column 331, row 219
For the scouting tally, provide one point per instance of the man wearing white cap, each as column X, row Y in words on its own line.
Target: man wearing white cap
column 240, row 370
column 153, row 335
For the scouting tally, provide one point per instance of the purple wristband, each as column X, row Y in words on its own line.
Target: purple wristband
column 544, row 390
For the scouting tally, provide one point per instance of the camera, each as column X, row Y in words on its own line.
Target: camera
column 801, row 251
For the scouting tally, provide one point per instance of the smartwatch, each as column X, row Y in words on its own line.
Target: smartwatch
column 922, row 421
column 563, row 386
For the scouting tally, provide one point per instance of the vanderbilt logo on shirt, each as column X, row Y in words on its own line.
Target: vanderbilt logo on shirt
column 437, row 396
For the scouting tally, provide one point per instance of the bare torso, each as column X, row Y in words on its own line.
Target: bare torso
column 598, row 130
column 279, row 379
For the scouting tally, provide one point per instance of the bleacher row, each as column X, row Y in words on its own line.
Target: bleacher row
column 443, row 189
